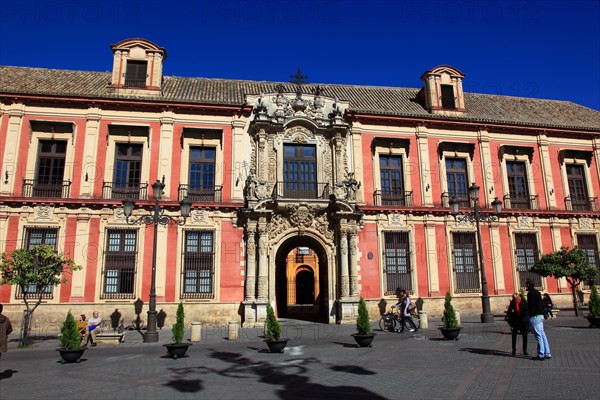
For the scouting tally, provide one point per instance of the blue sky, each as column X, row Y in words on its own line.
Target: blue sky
column 547, row 49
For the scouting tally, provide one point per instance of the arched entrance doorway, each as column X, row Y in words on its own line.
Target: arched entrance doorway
column 301, row 280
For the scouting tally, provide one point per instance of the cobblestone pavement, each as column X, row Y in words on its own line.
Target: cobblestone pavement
column 320, row 362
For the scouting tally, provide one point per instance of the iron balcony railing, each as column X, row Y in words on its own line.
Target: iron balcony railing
column 135, row 83
column 581, row 203
column 398, row 280
column 393, row 198
column 301, row 190
column 521, row 202
column 118, row 191
column 463, row 201
column 201, row 195
column 532, row 276
column 36, row 188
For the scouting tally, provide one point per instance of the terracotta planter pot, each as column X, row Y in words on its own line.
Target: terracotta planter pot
column 276, row 346
column 177, row 350
column 71, row 356
column 364, row 340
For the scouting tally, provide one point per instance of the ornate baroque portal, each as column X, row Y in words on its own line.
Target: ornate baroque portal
column 300, row 198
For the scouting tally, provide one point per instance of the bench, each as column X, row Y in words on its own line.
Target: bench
column 106, row 333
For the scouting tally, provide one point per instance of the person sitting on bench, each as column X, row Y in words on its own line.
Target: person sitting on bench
column 92, row 325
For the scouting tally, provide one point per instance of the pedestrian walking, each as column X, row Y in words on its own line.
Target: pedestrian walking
column 5, row 330
column 536, row 319
column 517, row 317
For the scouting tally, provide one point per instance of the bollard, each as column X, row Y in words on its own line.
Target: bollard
column 457, row 316
column 232, row 332
column 196, row 334
column 423, row 318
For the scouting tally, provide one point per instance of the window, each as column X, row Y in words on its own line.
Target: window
column 392, row 180
column 135, row 77
column 397, row 262
column 198, row 265
column 299, row 171
column 456, row 177
column 35, row 237
column 578, row 199
column 128, row 163
column 119, row 264
column 465, row 268
column 50, row 171
column 517, row 185
column 202, row 174
column 527, row 255
column 587, row 243
column 448, row 97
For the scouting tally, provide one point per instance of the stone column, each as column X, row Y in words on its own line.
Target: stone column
column 345, row 281
column 424, row 165
column 263, row 272
column 488, row 188
column 250, row 262
column 546, row 171
column 499, row 283
column 91, row 171
column 596, row 147
column 353, row 239
column 262, row 157
column 167, row 121
column 338, row 142
column 432, row 255
column 13, row 137
column 78, row 277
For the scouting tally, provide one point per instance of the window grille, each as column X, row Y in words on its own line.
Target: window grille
column 527, row 255
column 120, row 264
column 466, row 270
column 588, row 243
column 36, row 236
column 197, row 274
column 398, row 267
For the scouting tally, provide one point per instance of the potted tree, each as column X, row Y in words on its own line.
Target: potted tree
column 594, row 315
column 177, row 349
column 363, row 335
column 273, row 332
column 450, row 330
column 70, row 341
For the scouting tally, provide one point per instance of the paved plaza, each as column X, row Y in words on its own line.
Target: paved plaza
column 320, row 362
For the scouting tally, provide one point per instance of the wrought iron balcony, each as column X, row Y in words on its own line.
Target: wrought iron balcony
column 118, row 191
column 36, row 188
column 581, row 203
column 393, row 198
column 135, row 83
column 463, row 201
column 521, row 202
column 201, row 195
column 302, row 190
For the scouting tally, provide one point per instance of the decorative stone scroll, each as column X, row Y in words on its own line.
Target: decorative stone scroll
column 43, row 212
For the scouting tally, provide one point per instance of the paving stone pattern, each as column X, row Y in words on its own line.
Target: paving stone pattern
column 321, row 362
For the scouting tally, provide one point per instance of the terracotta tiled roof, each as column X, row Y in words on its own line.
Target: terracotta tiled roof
column 363, row 99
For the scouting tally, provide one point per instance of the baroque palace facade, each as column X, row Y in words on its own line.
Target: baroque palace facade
column 303, row 196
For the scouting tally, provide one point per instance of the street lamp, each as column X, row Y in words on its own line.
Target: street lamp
column 155, row 218
column 486, row 316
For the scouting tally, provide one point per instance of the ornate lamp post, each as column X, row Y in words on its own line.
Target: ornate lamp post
column 155, row 218
column 486, row 315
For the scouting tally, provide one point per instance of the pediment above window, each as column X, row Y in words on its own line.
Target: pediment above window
column 516, row 151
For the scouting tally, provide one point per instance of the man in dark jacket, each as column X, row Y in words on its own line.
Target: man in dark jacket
column 536, row 319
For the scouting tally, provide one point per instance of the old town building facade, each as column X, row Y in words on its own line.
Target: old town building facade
column 303, row 196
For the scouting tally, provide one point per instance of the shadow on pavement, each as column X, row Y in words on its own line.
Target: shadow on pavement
column 487, row 352
column 7, row 373
column 185, row 385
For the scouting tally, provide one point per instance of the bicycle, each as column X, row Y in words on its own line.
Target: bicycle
column 390, row 319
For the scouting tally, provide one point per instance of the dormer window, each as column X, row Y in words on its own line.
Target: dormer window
column 442, row 90
column 448, row 97
column 137, row 66
column 135, row 77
